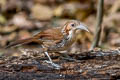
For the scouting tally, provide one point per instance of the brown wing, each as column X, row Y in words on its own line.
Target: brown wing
column 50, row 34
column 47, row 36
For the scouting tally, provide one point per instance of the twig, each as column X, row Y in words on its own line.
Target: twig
column 98, row 24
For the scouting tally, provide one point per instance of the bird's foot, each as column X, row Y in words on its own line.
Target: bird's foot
column 56, row 66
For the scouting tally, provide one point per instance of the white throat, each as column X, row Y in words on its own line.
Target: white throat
column 70, row 34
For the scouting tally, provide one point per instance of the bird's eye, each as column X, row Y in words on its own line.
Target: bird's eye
column 72, row 25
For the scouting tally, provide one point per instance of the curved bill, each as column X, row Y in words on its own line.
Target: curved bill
column 83, row 27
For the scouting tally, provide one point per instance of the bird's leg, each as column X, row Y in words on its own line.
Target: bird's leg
column 50, row 60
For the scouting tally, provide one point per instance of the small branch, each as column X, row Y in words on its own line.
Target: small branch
column 98, row 24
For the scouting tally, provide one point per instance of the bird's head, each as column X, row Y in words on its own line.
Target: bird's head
column 72, row 27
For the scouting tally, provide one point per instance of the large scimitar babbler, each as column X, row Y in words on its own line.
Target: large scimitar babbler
column 55, row 39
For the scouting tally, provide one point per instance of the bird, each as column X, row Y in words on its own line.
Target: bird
column 55, row 39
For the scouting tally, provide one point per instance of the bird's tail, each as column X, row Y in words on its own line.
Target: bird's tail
column 20, row 42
